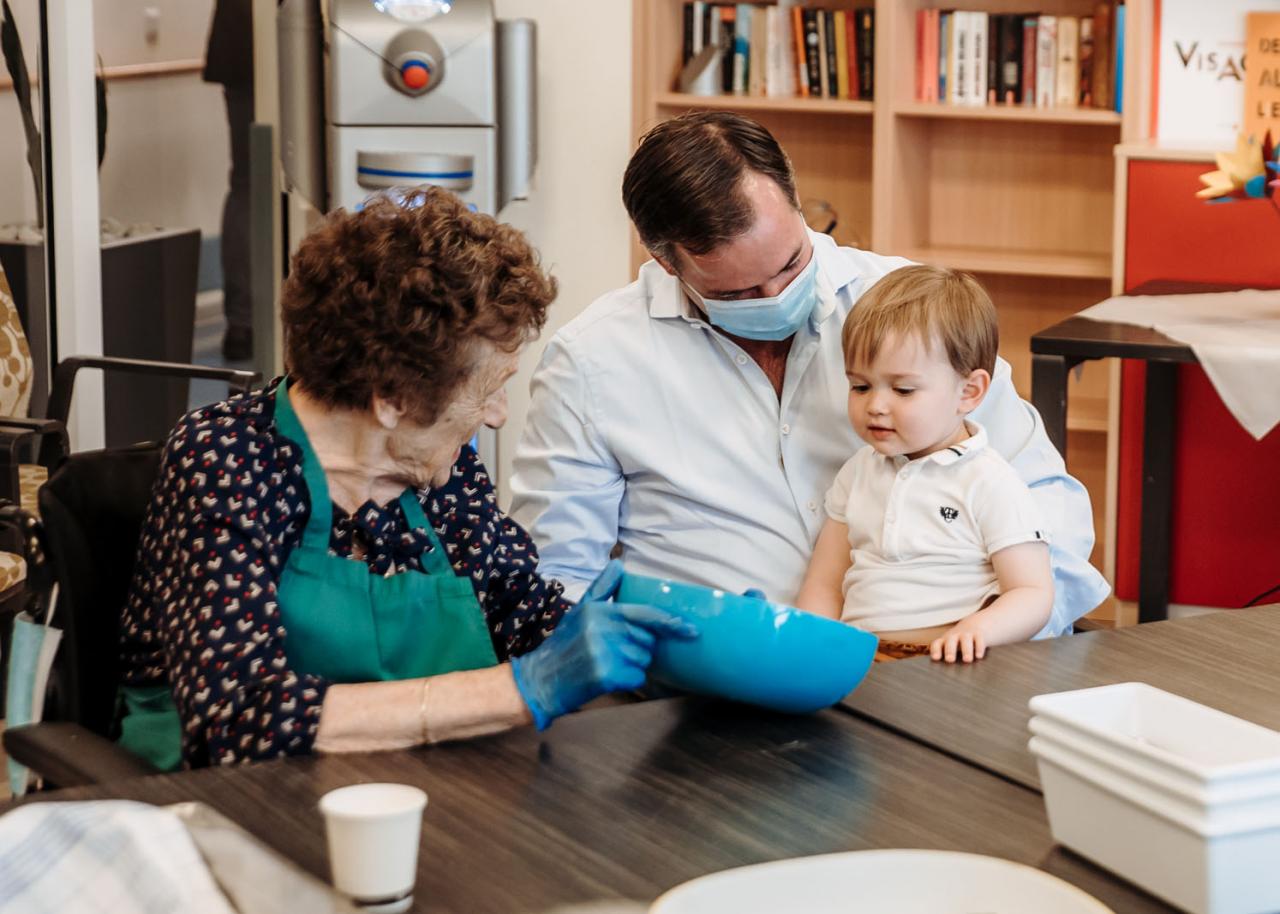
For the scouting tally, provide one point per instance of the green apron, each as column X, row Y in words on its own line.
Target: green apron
column 342, row 622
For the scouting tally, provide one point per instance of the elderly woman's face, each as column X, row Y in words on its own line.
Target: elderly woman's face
column 428, row 452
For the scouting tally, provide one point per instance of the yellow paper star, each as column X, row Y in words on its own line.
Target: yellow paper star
column 1235, row 169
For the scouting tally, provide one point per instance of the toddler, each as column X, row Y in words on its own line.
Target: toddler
column 931, row 539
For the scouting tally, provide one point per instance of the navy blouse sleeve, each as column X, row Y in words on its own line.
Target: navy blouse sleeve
column 203, row 611
column 498, row 556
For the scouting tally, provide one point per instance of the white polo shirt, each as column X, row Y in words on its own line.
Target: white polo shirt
column 922, row 532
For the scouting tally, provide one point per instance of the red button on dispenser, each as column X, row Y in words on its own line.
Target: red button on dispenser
column 415, row 74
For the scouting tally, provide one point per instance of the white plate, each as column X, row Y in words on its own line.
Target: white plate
column 901, row 881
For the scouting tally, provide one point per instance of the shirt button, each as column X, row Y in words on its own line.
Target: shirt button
column 740, row 359
column 813, row 506
column 786, row 429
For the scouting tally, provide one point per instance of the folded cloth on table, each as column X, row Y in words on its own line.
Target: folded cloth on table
column 102, row 856
column 1235, row 335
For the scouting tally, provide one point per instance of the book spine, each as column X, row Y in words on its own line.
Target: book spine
column 1084, row 88
column 993, row 58
column 728, row 33
column 812, row 51
column 824, row 89
column 798, row 40
column 944, row 55
column 1102, row 54
column 1030, row 28
column 709, row 22
column 686, row 48
column 742, row 49
column 1117, row 63
column 958, row 59
column 978, row 59
column 1011, row 59
column 698, row 19
column 1046, row 60
column 830, row 54
column 922, row 16
column 781, row 82
column 866, row 37
column 1066, row 81
column 851, row 39
column 842, row 56
column 758, row 51
column 931, row 56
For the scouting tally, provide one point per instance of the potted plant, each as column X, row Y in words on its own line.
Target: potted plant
column 149, row 277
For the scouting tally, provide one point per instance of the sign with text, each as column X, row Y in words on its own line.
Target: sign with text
column 1202, row 53
column 1262, row 78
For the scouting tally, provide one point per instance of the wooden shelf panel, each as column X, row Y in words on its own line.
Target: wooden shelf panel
column 1016, row 113
column 1014, row 263
column 758, row 103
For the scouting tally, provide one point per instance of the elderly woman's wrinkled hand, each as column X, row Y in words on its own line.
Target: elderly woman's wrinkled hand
column 599, row 647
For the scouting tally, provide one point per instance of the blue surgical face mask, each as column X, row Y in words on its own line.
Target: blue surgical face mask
column 774, row 318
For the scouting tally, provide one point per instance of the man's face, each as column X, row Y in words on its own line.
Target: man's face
column 761, row 262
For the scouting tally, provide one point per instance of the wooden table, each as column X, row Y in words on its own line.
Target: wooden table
column 979, row 712
column 625, row 802
column 1057, row 349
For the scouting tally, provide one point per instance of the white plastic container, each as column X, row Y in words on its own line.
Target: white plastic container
column 1200, row 743
column 1175, row 797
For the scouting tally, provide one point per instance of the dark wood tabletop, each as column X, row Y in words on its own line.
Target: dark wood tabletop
column 1085, row 338
column 626, row 802
column 979, row 712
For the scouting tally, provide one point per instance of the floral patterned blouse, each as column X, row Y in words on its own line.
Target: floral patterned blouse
column 228, row 507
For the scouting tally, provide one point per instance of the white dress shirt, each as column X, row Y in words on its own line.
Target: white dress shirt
column 650, row 430
column 922, row 532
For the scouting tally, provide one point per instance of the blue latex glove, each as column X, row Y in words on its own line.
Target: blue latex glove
column 600, row 646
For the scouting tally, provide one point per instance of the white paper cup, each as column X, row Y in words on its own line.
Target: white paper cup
column 373, row 832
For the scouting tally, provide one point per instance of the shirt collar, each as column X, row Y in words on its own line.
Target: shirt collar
column 667, row 298
column 976, row 442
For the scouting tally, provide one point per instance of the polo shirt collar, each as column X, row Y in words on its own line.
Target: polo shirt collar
column 976, row 442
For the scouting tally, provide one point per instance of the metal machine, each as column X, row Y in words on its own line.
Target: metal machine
column 414, row 92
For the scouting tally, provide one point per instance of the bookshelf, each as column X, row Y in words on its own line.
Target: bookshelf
column 1022, row 197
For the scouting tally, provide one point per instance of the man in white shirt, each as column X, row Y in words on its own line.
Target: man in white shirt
column 696, row 417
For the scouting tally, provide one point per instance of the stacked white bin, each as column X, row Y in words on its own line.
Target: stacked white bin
column 1178, row 798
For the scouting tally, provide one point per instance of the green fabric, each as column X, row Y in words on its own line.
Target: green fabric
column 150, row 728
column 343, row 623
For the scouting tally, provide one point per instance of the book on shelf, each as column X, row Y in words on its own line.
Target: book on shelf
column 1066, row 80
column 785, row 49
column 968, row 57
column 1046, row 60
column 842, row 54
column 865, row 34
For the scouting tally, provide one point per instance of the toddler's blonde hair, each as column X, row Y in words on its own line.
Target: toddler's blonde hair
column 944, row 308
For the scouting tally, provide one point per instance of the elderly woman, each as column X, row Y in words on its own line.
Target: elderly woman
column 323, row 566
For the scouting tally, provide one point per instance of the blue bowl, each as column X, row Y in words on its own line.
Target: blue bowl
column 752, row 650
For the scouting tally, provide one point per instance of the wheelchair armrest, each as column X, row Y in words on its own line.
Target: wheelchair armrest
column 14, row 432
column 64, row 376
column 69, row 755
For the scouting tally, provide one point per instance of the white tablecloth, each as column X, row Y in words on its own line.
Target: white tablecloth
column 1235, row 335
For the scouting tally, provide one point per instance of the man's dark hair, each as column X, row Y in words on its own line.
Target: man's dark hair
column 683, row 185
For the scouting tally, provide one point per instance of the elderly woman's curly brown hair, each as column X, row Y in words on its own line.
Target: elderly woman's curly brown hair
column 391, row 301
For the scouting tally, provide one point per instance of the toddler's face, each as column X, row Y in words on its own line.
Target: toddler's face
column 909, row 400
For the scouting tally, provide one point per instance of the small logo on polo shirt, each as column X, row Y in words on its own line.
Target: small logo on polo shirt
column 948, row 514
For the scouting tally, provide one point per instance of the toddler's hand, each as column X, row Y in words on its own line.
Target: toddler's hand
column 962, row 642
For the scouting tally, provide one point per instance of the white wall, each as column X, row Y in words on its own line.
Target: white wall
column 574, row 215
